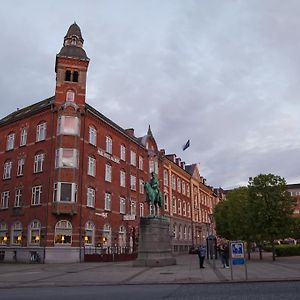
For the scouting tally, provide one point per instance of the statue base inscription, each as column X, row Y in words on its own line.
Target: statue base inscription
column 154, row 243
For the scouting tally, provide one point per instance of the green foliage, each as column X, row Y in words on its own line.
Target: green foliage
column 260, row 212
column 287, row 250
column 295, row 228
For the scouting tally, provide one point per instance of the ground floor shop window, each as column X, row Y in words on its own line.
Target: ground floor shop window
column 107, row 235
column 34, row 232
column 89, row 237
column 16, row 233
column 63, row 233
column 3, row 234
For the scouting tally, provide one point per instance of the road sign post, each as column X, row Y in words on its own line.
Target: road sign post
column 237, row 255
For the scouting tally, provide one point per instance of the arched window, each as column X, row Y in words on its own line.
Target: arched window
column 123, row 152
column 184, row 232
column 175, row 233
column 63, row 233
column 16, row 233
column 89, row 237
column 190, row 233
column 70, row 96
column 3, row 234
column 122, row 237
column 166, row 202
column 34, row 232
column 107, row 235
column 174, row 205
column 179, row 207
column 68, row 75
column 75, row 76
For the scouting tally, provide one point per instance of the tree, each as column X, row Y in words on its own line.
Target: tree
column 272, row 207
column 234, row 221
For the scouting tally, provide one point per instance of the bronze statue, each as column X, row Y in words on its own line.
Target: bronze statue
column 153, row 194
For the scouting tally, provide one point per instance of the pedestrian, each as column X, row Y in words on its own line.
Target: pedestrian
column 226, row 255
column 201, row 255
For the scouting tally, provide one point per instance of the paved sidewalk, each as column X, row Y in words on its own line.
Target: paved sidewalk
column 186, row 271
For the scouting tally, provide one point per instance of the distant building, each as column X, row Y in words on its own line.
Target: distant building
column 294, row 189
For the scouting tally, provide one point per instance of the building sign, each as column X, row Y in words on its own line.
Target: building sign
column 129, row 217
column 237, row 253
column 113, row 158
column 103, row 214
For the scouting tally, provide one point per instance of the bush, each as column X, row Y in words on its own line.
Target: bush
column 287, row 250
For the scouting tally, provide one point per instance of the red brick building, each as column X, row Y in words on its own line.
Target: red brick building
column 71, row 177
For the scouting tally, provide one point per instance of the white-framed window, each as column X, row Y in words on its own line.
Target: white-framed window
column 3, row 234
column 174, row 206
column 66, row 158
column 4, row 199
column 34, row 233
column 123, row 152
column 156, row 167
column 16, row 233
column 65, row 192
column 132, row 158
column 21, row 164
column 183, row 187
column 108, row 144
column 106, row 235
column 36, row 195
column 18, row 197
column 179, row 207
column 23, row 136
column 141, row 185
column 166, row 177
column 184, row 233
column 93, row 135
column 151, row 165
column 141, row 209
column 178, row 185
column 180, row 232
column 122, row 178
column 175, row 232
column 91, row 166
column 133, row 182
column 91, row 196
column 89, row 237
column 133, row 208
column 38, row 162
column 184, row 208
column 7, row 169
column 107, row 201
column 122, row 205
column 122, row 236
column 70, row 96
column 10, row 141
column 173, row 182
column 63, row 233
column 166, row 202
column 141, row 163
column 68, row 125
column 188, row 190
column 41, row 132
column 108, row 172
column 189, row 210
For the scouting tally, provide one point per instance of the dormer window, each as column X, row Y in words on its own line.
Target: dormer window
column 74, row 42
column 70, row 96
column 68, row 75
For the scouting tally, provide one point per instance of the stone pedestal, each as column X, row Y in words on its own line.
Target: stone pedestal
column 154, row 243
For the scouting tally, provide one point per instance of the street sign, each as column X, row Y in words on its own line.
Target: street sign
column 237, row 253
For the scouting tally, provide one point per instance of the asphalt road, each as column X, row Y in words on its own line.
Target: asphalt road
column 219, row 291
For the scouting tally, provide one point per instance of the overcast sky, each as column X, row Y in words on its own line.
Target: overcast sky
column 224, row 74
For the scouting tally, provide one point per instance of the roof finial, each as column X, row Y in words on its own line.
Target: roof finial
column 149, row 131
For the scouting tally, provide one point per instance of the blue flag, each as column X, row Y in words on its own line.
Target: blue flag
column 186, row 145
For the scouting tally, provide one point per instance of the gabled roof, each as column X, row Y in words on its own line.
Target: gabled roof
column 26, row 111
column 193, row 170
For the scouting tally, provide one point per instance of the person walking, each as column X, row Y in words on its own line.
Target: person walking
column 201, row 255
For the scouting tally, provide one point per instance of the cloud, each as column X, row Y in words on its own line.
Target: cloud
column 224, row 74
